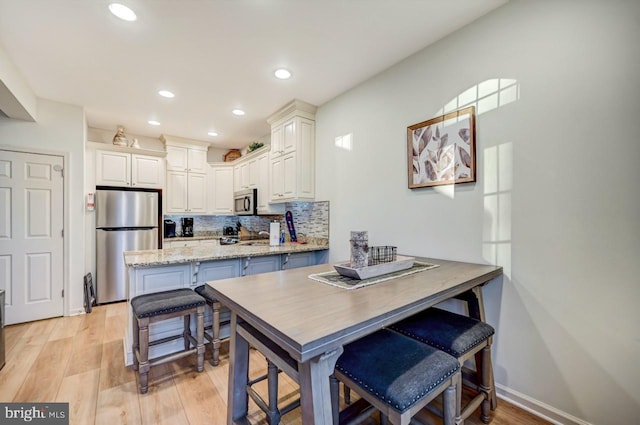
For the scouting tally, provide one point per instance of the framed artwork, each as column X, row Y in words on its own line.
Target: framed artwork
column 442, row 150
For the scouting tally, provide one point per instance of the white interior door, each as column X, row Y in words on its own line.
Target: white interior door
column 31, row 241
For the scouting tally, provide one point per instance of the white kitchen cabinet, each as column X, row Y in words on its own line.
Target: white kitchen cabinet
column 181, row 244
column 186, row 192
column 186, row 175
column 189, row 243
column 237, row 178
column 292, row 166
column 196, row 193
column 263, row 184
column 244, row 174
column 147, row 171
column 186, row 158
column 184, row 243
column 220, row 189
column 176, row 197
column 115, row 168
column 252, row 171
column 276, row 140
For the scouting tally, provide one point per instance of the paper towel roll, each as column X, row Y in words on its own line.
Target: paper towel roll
column 274, row 233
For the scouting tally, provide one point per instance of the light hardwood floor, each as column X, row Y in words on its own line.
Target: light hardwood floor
column 79, row 360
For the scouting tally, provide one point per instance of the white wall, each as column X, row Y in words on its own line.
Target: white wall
column 60, row 129
column 556, row 201
column 17, row 100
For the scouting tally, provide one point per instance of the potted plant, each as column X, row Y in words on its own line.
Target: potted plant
column 255, row 145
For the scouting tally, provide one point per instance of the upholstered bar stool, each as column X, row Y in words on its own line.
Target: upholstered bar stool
column 397, row 375
column 214, row 337
column 270, row 350
column 270, row 406
column 152, row 308
column 462, row 337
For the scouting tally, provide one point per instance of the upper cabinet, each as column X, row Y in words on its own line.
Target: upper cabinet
column 292, row 163
column 119, row 166
column 187, row 171
column 186, row 158
column 220, row 189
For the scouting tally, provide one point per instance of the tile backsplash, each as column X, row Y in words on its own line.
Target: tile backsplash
column 311, row 220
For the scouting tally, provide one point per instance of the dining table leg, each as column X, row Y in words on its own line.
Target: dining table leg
column 315, row 391
column 237, row 400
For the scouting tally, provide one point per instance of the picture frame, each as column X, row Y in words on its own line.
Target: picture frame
column 442, row 150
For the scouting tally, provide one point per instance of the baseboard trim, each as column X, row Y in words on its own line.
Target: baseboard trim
column 76, row 312
column 538, row 408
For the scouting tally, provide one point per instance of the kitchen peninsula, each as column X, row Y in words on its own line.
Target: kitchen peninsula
column 187, row 267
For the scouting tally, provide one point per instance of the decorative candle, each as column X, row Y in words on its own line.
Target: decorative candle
column 359, row 249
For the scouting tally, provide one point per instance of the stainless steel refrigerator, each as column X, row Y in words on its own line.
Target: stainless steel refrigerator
column 126, row 220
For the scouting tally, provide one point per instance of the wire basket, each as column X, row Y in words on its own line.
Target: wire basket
column 382, row 254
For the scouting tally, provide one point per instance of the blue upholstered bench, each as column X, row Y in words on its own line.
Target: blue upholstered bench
column 151, row 308
column 214, row 338
column 397, row 375
column 462, row 337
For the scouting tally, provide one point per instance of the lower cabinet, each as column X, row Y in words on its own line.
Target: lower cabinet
column 181, row 244
column 215, row 270
column 256, row 265
column 298, row 259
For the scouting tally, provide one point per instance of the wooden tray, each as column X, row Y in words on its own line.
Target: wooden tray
column 401, row 263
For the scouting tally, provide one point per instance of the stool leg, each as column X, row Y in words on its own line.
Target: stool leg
column 347, row 394
column 486, row 380
column 143, row 368
column 187, row 331
column 384, row 419
column 273, row 415
column 216, row 334
column 136, row 344
column 200, row 337
column 334, row 386
column 476, row 309
column 449, row 403
column 459, row 400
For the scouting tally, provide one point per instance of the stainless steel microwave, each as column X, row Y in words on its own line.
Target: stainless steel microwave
column 245, row 202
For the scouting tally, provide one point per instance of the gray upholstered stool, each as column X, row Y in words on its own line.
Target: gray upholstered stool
column 462, row 337
column 270, row 406
column 214, row 337
column 151, row 308
column 398, row 375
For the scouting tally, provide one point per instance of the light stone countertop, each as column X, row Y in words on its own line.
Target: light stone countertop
column 155, row 257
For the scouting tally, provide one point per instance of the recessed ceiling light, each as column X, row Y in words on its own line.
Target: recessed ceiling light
column 238, row 112
column 154, row 122
column 166, row 93
column 212, row 133
column 282, row 74
column 122, row 12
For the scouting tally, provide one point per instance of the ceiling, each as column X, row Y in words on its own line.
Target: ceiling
column 215, row 55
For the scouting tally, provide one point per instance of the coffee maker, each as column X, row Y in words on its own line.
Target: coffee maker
column 187, row 226
column 169, row 229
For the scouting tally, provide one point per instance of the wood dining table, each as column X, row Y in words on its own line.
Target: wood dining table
column 301, row 325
